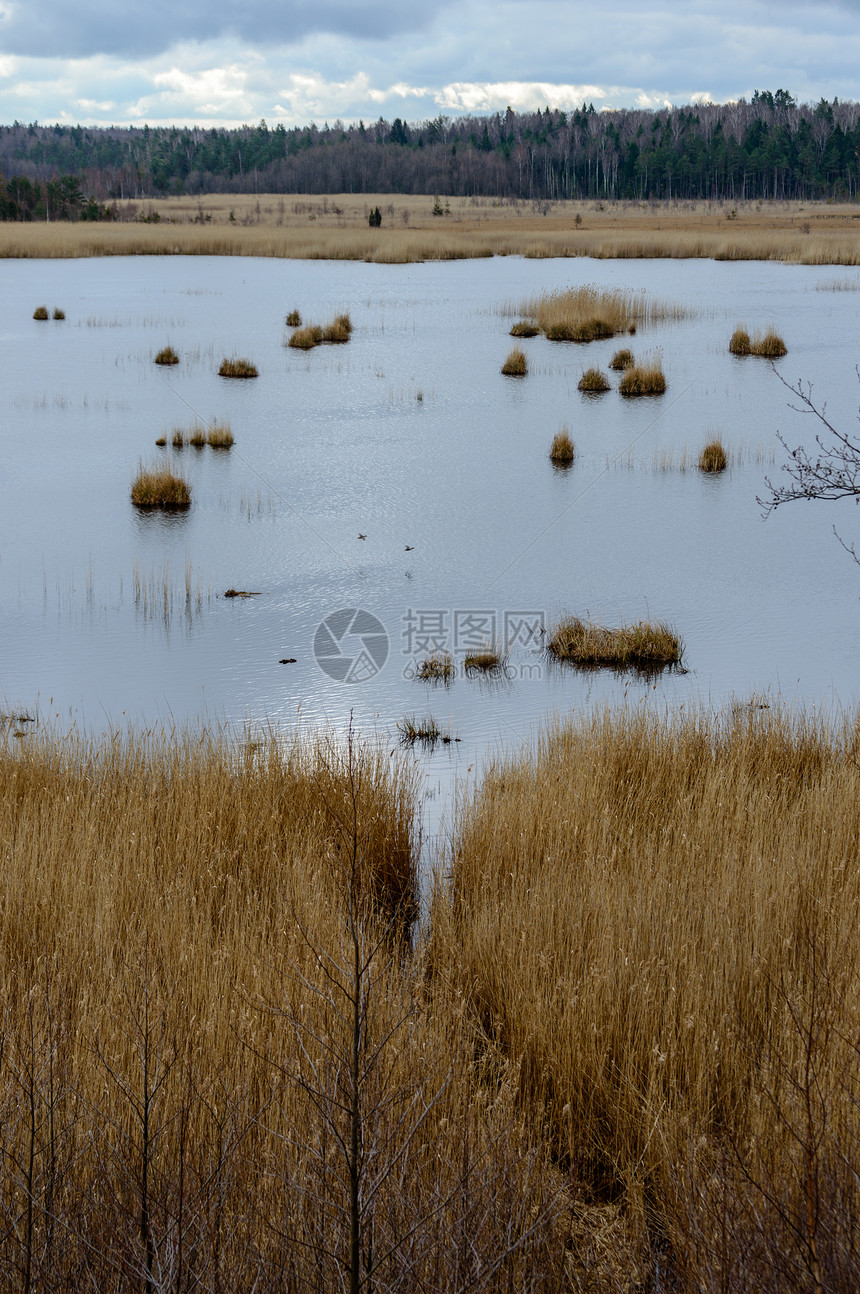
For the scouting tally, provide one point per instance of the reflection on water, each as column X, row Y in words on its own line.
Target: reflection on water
column 403, row 475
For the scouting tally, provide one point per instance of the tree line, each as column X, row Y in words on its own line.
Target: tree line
column 767, row 147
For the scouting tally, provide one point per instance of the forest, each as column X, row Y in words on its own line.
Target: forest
column 767, row 147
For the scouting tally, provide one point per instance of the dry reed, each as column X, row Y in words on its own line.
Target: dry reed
column 41, row 313
column 266, row 226
column 645, row 378
column 562, row 450
column 435, row 667
column 593, row 382
column 621, row 360
column 713, row 457
column 589, row 313
column 157, row 487
column 642, row 645
column 516, row 364
column 237, row 367
column 167, row 356
column 220, row 435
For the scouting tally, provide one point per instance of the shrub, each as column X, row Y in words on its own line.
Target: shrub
column 621, row 360
column 713, row 457
column 562, row 449
column 294, row 319
column 524, row 329
column 41, row 312
column 593, row 381
column 156, row 487
column 58, row 313
column 237, row 368
column 515, row 365
column 220, row 436
column 642, row 644
column 740, row 343
column 643, row 379
column 167, row 355
column 440, row 665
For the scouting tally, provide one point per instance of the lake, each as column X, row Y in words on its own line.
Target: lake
column 410, row 437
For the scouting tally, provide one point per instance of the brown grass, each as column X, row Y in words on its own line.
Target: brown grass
column 646, row 378
column 237, row 368
column 41, row 313
column 593, row 381
column 621, row 360
column 740, row 343
column 589, row 313
column 562, row 449
column 642, row 645
column 197, row 436
column 631, row 1011
column 476, row 227
column 219, row 435
column 713, row 457
column 516, row 364
column 524, row 329
column 57, row 313
column 294, row 319
column 167, row 355
column 673, row 904
column 338, row 331
column 156, row 487
column 439, row 666
column 769, row 345
column 488, row 661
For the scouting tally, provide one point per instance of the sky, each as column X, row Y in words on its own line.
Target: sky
column 186, row 62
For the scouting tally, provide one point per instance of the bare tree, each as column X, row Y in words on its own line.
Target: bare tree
column 829, row 471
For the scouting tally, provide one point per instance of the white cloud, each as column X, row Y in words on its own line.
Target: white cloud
column 523, row 96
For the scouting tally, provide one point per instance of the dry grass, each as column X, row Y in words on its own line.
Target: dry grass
column 675, row 905
column 294, row 319
column 589, row 313
column 177, row 438
column 641, row 645
column 768, row 345
column 220, row 435
column 562, row 449
column 197, row 436
column 628, row 1023
column 338, row 331
column 57, row 313
column 593, row 382
column 524, row 329
column 646, row 378
column 237, row 367
column 439, row 666
column 271, row 226
column 424, row 731
column 157, row 487
column 621, row 360
column 489, row 661
column 41, row 313
column 713, row 457
column 167, row 355
column 740, row 343
column 516, row 364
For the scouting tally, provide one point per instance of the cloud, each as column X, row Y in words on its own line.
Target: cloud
column 52, row 28
column 522, row 96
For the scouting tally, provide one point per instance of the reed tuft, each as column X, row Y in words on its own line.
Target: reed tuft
column 642, row 645
column 167, row 356
column 593, row 382
column 713, row 457
column 157, row 487
column 646, row 378
column 516, row 364
column 562, row 450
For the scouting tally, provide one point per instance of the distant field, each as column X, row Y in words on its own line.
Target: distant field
column 336, row 228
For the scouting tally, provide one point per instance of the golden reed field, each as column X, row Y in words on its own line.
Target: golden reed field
column 336, row 228
column 620, row 1050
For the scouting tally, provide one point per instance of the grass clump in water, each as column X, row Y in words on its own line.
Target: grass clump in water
column 589, row 313
column 167, row 356
column 524, row 329
column 156, row 487
column 562, row 450
column 237, row 367
column 769, row 346
column 177, row 440
column 425, row 730
column 621, row 360
column 197, row 436
column 740, row 343
column 641, row 645
column 593, row 381
column 220, row 435
column 294, row 319
column 437, row 667
column 161, row 442
column 516, row 364
column 713, row 457
column 41, row 312
column 58, row 313
column 338, row 331
column 643, row 379
column 490, row 660
column 306, row 338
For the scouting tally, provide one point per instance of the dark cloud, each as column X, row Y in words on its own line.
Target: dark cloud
column 56, row 28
